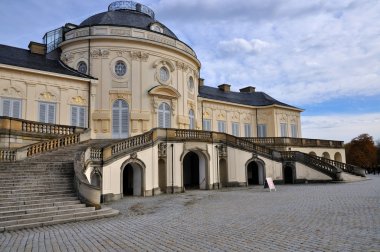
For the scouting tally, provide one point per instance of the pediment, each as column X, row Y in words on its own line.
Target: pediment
column 165, row 91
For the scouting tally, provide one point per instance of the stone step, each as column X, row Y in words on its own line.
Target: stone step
column 15, row 204
column 37, row 178
column 13, row 209
column 60, row 219
column 48, row 217
column 36, row 182
column 22, row 195
column 36, row 189
column 41, row 212
column 11, row 186
column 40, row 197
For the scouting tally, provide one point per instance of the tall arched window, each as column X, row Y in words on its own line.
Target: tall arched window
column 120, row 119
column 164, row 115
column 191, row 119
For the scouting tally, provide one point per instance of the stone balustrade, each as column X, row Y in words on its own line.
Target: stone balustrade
column 50, row 145
column 7, row 155
column 295, row 142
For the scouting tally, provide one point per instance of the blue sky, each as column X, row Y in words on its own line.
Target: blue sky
column 322, row 56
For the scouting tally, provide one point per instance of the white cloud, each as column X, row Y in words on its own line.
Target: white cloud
column 240, row 45
column 341, row 127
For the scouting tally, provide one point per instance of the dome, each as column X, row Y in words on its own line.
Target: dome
column 130, row 14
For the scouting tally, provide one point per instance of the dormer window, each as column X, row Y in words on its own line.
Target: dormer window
column 82, row 67
column 156, row 28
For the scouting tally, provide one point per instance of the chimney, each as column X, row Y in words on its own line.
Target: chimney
column 224, row 87
column 248, row 89
column 201, row 82
column 37, row 48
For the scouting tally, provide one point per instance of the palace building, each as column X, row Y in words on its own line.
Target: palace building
column 127, row 90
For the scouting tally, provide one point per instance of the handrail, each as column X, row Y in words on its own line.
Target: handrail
column 291, row 141
column 53, row 144
column 7, row 155
column 26, row 126
column 344, row 166
column 313, row 161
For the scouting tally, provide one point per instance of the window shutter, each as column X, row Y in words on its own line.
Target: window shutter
column 6, row 108
column 74, row 116
column 124, row 121
column 42, row 112
column 16, row 109
column 115, row 121
column 51, row 113
column 82, row 117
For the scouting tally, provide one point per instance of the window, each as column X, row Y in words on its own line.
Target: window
column 191, row 119
column 190, row 83
column 293, row 129
column 235, row 129
column 247, row 130
column 261, row 130
column 47, row 112
column 82, row 67
column 78, row 116
column 120, row 68
column 164, row 115
column 11, row 107
column 284, row 129
column 156, row 28
column 207, row 124
column 164, row 74
column 222, row 126
column 120, row 119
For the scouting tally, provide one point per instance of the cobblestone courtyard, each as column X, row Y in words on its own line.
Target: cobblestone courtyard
column 312, row 217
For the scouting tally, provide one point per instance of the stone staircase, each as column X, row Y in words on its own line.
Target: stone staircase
column 40, row 191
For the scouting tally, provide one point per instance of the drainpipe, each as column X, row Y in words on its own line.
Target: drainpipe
column 9, row 132
column 257, row 124
column 217, row 164
column 89, row 73
column 172, row 168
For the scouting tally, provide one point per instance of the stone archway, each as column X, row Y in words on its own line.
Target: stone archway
column 326, row 155
column 255, row 172
column 223, row 173
column 194, row 171
column 95, row 179
column 289, row 174
column 132, row 183
column 338, row 157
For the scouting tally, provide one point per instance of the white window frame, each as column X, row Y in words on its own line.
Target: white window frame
column 48, row 107
column 75, row 116
column 222, row 126
column 164, row 110
column 283, row 129
column 294, row 132
column 13, row 110
column 261, row 130
column 207, row 124
column 235, row 129
column 191, row 119
column 120, row 116
column 247, row 130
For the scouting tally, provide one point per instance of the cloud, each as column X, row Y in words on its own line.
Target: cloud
column 240, row 45
column 341, row 127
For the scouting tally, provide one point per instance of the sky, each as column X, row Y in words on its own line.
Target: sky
column 319, row 55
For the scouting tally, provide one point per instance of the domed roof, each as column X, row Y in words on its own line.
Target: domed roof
column 127, row 13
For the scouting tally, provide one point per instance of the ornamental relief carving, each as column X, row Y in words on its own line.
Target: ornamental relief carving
column 138, row 55
column 47, row 96
column 235, row 116
column 283, row 118
column 67, row 57
column 100, row 53
column 181, row 66
column 78, row 100
column 12, row 92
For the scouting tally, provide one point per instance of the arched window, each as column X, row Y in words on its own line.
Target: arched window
column 191, row 119
column 164, row 115
column 120, row 119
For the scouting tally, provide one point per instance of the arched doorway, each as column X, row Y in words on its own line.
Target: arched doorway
column 288, row 174
column 338, row 157
column 162, row 175
column 326, row 155
column 194, row 171
column 132, row 180
column 120, row 119
column 255, row 173
column 223, row 171
column 312, row 153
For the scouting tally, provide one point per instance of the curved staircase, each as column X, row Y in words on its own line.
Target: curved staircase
column 39, row 191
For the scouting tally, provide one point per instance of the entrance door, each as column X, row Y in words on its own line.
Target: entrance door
column 288, row 175
column 191, row 178
column 132, row 180
column 253, row 173
column 128, row 180
column 120, row 119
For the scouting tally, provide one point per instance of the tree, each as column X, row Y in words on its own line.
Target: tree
column 362, row 152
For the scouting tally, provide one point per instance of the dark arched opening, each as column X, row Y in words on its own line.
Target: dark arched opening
column 133, row 180
column 162, row 175
column 128, row 180
column 95, row 179
column 191, row 178
column 223, row 173
column 253, row 173
column 288, row 175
